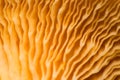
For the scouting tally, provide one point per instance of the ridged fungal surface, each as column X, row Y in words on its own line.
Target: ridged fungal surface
column 59, row 39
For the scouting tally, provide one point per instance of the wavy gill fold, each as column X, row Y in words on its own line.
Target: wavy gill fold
column 59, row 39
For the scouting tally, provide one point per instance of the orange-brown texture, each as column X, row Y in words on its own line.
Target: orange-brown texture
column 59, row 39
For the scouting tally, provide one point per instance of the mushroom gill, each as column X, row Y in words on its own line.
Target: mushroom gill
column 59, row 39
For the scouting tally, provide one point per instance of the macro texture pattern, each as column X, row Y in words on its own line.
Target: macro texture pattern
column 59, row 39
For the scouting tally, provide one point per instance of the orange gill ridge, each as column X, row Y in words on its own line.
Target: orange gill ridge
column 59, row 39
